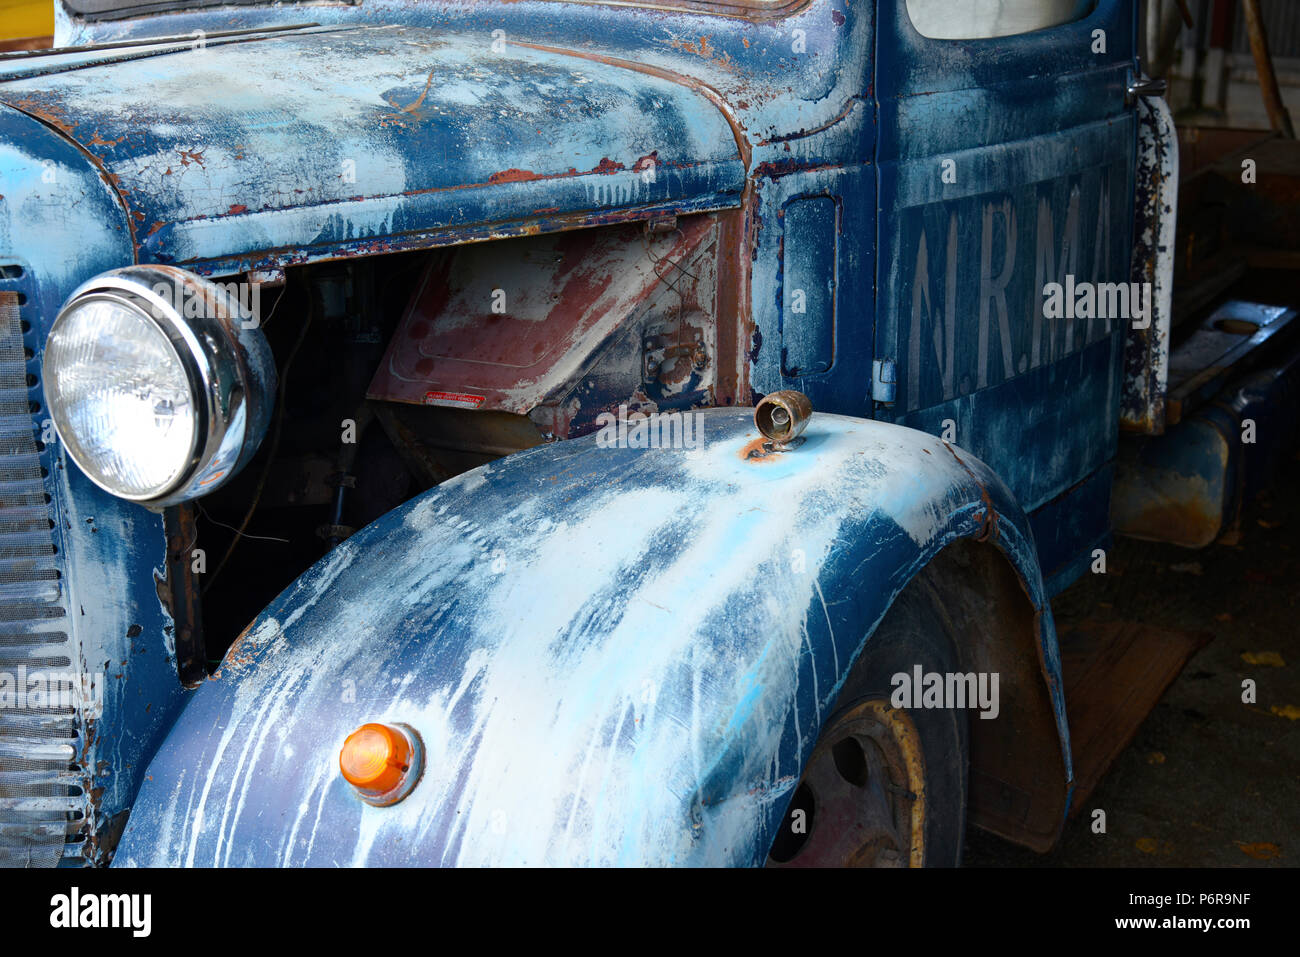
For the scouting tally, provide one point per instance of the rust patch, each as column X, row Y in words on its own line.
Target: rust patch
column 758, row 451
column 179, row 594
column 97, row 140
column 607, row 166
column 424, row 92
column 988, row 516
column 703, row 49
column 735, row 327
column 1169, row 520
column 245, row 650
column 777, row 169
column 403, row 112
column 513, row 176
column 50, row 114
column 420, row 99
column 236, row 208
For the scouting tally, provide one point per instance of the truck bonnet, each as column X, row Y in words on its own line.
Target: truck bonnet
column 271, row 148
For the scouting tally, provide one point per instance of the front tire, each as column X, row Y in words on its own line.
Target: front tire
column 885, row 787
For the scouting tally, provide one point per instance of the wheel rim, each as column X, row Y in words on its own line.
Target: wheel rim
column 862, row 795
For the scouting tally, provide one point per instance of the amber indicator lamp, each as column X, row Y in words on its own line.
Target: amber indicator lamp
column 381, row 762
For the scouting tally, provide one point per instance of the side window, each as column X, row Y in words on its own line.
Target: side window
column 980, row 19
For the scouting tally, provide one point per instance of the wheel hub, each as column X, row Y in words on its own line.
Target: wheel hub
column 861, row 801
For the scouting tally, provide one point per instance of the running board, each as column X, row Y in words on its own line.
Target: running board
column 1114, row 673
column 1226, row 341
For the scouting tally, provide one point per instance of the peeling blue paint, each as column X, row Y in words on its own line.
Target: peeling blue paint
column 60, row 223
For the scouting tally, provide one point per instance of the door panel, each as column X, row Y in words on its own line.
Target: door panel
column 1005, row 165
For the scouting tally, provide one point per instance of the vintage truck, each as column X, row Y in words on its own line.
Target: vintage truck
column 469, row 350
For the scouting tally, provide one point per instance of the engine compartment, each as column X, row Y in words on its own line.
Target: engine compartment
column 398, row 372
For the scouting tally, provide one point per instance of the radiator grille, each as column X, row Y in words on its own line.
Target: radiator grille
column 42, row 803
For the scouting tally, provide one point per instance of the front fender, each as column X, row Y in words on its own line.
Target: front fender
column 612, row 655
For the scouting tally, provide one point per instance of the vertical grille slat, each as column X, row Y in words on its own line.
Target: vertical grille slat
column 42, row 807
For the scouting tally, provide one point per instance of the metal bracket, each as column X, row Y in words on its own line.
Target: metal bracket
column 884, row 381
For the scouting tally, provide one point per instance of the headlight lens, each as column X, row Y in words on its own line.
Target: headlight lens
column 159, row 383
column 122, row 398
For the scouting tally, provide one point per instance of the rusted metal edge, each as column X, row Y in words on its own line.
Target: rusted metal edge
column 1146, row 350
column 147, row 41
column 714, row 8
column 1056, row 690
column 25, row 45
column 989, row 516
column 518, row 176
column 109, row 179
column 179, row 594
column 284, row 256
column 838, row 118
column 172, row 47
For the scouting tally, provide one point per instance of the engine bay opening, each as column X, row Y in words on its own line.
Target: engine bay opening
column 398, row 372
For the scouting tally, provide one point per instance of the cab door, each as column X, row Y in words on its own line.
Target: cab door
column 1006, row 164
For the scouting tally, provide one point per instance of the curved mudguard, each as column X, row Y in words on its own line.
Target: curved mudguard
column 612, row 655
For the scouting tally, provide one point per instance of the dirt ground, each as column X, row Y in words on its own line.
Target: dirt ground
column 1209, row 780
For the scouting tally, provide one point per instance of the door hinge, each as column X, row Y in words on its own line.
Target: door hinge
column 884, row 380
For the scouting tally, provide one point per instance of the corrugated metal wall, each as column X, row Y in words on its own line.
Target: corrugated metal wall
column 1212, row 71
column 1281, row 20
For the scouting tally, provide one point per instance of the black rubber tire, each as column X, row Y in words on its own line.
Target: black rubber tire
column 915, row 631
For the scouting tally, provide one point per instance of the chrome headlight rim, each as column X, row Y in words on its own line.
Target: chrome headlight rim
column 129, row 297
column 225, row 360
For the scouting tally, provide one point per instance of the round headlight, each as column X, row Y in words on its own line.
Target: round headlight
column 158, row 383
column 120, row 397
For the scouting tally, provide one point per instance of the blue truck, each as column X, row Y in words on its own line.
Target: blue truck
column 560, row 433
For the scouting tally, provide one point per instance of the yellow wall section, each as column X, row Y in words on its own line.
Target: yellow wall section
column 26, row 18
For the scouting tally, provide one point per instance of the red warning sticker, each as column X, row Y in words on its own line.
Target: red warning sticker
column 454, row 400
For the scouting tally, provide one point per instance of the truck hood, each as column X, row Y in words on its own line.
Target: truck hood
column 275, row 147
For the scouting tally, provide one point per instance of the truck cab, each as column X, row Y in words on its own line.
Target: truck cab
column 566, row 433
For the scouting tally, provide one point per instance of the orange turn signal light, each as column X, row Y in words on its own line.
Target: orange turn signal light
column 382, row 761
